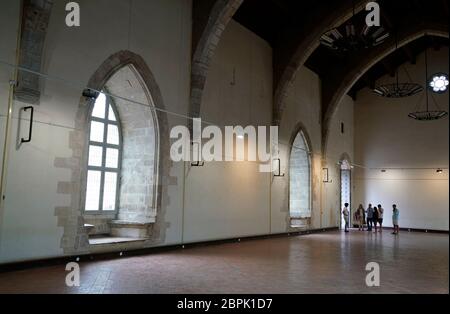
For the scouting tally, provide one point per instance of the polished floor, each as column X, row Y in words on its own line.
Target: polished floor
column 331, row 262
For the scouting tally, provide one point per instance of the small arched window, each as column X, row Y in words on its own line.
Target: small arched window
column 300, row 178
column 104, row 157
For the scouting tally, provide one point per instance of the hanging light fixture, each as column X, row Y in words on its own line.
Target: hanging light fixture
column 428, row 115
column 397, row 89
column 349, row 37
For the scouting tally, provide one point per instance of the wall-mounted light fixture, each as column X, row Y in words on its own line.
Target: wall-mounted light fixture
column 383, row 170
column 90, row 93
column 197, row 162
column 277, row 168
column 325, row 176
column 439, row 171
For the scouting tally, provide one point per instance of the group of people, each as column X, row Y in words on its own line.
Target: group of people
column 373, row 216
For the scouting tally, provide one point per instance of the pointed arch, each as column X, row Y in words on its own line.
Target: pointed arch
column 300, row 176
column 75, row 237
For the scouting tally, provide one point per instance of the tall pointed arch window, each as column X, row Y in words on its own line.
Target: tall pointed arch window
column 300, row 178
column 104, row 157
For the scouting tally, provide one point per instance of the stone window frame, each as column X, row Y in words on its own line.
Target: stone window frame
column 104, row 145
column 98, row 82
column 300, row 129
column 74, row 239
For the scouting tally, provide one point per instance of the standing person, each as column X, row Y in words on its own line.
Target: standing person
column 369, row 217
column 360, row 217
column 395, row 215
column 375, row 218
column 380, row 217
column 346, row 215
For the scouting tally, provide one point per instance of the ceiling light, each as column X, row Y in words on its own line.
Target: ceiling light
column 354, row 35
column 397, row 89
column 430, row 115
column 438, row 83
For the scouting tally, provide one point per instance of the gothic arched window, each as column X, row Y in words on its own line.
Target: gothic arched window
column 104, row 157
column 300, row 178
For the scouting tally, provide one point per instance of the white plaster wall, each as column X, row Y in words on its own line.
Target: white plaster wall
column 338, row 145
column 218, row 201
column 386, row 138
column 29, row 228
column 302, row 108
column 232, row 199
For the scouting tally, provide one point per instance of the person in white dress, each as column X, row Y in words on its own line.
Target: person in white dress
column 346, row 215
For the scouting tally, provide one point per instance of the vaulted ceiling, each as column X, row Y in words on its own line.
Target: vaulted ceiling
column 294, row 29
column 276, row 20
column 390, row 64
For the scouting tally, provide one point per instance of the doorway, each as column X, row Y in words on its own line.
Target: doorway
column 345, row 191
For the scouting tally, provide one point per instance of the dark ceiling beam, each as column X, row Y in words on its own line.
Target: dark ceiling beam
column 280, row 4
column 369, row 80
column 409, row 54
column 385, row 18
column 418, row 5
column 435, row 44
column 286, row 10
column 297, row 44
column 445, row 5
column 388, row 67
column 339, row 81
column 352, row 93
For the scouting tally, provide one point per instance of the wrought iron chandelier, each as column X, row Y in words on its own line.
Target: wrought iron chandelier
column 428, row 115
column 397, row 89
column 352, row 37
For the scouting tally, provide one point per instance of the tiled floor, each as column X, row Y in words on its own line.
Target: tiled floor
column 320, row 263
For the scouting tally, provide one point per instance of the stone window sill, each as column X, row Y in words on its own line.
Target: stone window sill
column 131, row 229
column 130, row 223
column 113, row 240
column 300, row 222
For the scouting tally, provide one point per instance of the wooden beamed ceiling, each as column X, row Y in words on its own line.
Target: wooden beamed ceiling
column 274, row 20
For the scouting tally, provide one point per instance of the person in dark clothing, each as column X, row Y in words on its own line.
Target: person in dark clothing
column 375, row 217
column 369, row 217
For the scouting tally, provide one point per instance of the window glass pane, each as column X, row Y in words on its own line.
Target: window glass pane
column 95, row 156
column 93, row 190
column 99, row 107
column 113, row 134
column 111, row 114
column 112, row 158
column 97, row 130
column 300, row 179
column 109, row 191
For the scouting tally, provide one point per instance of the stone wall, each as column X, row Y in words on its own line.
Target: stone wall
column 138, row 171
